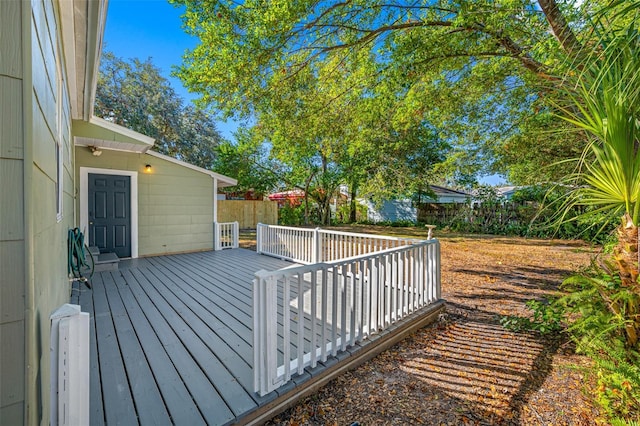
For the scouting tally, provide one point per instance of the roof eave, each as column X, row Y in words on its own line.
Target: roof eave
column 82, row 27
column 223, row 181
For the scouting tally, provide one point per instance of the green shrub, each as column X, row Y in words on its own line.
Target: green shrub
column 546, row 318
column 599, row 309
column 595, row 312
column 291, row 215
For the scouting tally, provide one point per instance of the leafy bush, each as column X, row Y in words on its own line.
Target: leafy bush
column 601, row 311
column 531, row 212
column 596, row 311
column 291, row 215
column 547, row 318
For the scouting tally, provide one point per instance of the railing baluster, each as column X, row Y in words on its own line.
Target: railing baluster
column 352, row 304
column 324, row 307
column 368, row 304
column 314, row 303
column 387, row 286
column 335, row 302
column 286, row 325
column 300, row 349
column 404, row 281
column 344, row 302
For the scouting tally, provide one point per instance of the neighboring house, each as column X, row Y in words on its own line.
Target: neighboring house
column 507, row 191
column 448, row 195
column 294, row 197
column 405, row 210
column 49, row 60
column 391, row 211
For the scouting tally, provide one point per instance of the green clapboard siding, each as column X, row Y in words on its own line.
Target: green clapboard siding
column 12, row 244
column 175, row 203
column 48, row 122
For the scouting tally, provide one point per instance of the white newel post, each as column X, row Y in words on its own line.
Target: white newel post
column 215, row 200
column 259, row 238
column 216, row 228
column 69, row 352
column 216, row 236
column 438, row 272
column 265, row 329
column 236, row 234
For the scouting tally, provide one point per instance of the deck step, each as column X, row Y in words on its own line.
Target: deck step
column 106, row 262
column 102, row 261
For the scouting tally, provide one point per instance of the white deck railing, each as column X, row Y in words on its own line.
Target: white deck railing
column 304, row 314
column 226, row 235
column 295, row 244
column 307, row 245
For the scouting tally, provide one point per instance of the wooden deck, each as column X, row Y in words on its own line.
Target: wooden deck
column 171, row 341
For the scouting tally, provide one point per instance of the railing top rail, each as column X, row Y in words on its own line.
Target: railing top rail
column 345, row 233
column 372, row 236
column 293, row 228
column 303, row 269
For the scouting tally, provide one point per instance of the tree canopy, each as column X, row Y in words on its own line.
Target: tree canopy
column 473, row 72
column 134, row 94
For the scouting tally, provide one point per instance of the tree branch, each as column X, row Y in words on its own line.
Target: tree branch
column 560, row 28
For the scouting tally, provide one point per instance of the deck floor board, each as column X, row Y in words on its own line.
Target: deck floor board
column 179, row 402
column 117, row 401
column 171, row 339
column 149, row 404
column 201, row 389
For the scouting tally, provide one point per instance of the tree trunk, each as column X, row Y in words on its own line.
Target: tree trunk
column 560, row 28
column 625, row 256
column 352, row 205
column 626, row 253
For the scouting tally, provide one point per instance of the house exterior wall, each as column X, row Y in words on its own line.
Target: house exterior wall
column 35, row 118
column 391, row 211
column 12, row 235
column 447, row 199
column 175, row 203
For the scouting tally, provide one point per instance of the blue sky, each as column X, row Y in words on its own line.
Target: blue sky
column 152, row 28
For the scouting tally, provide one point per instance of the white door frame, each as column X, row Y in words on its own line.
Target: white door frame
column 84, row 201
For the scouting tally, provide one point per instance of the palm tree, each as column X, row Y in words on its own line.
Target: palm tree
column 602, row 91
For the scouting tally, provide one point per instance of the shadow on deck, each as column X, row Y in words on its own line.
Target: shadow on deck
column 171, row 342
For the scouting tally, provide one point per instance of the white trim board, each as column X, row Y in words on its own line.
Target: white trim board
column 84, row 205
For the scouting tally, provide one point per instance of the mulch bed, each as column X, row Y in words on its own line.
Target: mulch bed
column 466, row 368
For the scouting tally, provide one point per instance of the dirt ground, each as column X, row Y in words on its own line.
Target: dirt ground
column 467, row 369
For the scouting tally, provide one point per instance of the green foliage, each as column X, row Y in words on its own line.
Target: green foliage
column 248, row 161
column 392, row 95
column 525, row 214
column 291, row 215
column 135, row 95
column 546, row 318
column 344, row 212
column 601, row 98
column 599, row 310
column 598, row 329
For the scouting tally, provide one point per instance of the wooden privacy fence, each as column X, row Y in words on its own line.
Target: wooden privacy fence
column 483, row 214
column 303, row 314
column 248, row 213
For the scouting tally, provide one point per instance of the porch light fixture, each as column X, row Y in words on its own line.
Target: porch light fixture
column 95, row 151
column 147, row 168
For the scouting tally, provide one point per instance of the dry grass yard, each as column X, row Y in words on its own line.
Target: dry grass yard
column 467, row 369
